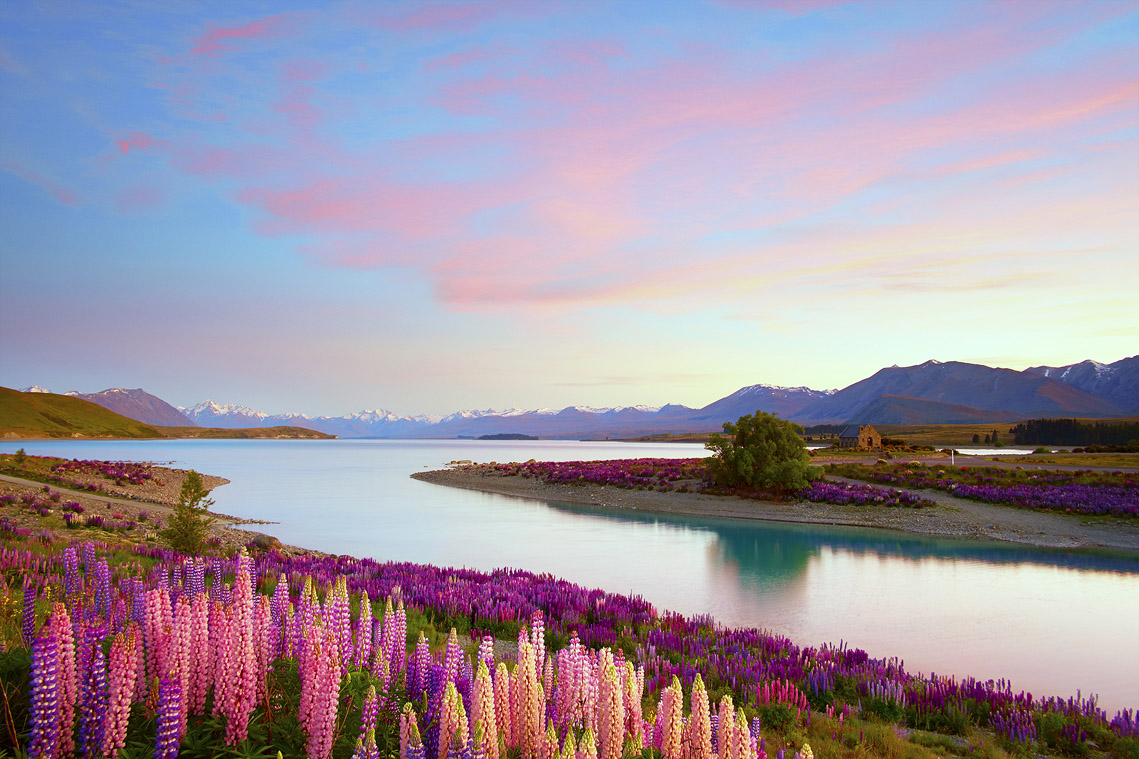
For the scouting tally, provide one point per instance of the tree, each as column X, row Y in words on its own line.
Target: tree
column 763, row 451
column 976, row 439
column 190, row 523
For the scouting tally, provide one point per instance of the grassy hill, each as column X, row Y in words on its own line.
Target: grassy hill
column 47, row 415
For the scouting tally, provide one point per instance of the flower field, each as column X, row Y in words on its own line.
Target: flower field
column 688, row 475
column 151, row 653
column 1083, row 492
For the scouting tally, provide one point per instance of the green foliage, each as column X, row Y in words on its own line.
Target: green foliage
column 190, row 523
column 20, row 456
column 763, row 451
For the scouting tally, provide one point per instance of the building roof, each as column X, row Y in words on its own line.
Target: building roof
column 851, row 430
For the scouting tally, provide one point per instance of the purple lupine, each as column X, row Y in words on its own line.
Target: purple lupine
column 92, row 697
column 44, row 709
column 168, row 730
column 29, row 615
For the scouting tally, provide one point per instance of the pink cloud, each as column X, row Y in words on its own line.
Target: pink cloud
column 304, row 71
column 137, row 199
column 462, row 59
column 28, row 174
column 135, row 140
column 451, row 16
column 295, row 106
column 244, row 161
column 211, row 43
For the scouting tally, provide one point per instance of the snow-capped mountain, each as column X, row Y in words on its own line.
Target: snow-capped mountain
column 137, row 404
column 34, row 389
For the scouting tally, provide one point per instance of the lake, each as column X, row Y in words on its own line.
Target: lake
column 1050, row 621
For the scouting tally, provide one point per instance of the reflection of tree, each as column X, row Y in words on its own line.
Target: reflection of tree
column 768, row 553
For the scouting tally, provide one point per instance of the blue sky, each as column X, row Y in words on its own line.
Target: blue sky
column 428, row 206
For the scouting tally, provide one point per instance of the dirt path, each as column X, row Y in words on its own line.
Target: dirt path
column 950, row 517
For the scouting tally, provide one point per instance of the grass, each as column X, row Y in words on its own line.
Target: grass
column 1113, row 460
column 54, row 416
column 47, row 415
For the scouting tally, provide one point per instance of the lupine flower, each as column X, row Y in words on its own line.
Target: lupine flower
column 44, row 710
column 168, row 730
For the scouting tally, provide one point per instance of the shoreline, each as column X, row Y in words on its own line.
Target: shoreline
column 950, row 517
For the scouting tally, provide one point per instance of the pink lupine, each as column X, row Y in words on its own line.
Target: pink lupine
column 263, row 646
column 527, row 703
column 183, row 658
column 569, row 748
column 725, row 729
column 453, row 726
column 699, row 730
column 241, row 658
column 122, row 667
column 363, row 632
column 68, row 685
column 549, row 747
column 407, row 723
column 322, row 684
column 482, row 710
column 668, row 726
column 503, row 710
column 610, row 713
column 587, row 749
column 634, row 720
column 743, row 748
column 156, row 632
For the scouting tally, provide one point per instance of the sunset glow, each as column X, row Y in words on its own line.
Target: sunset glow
column 429, row 206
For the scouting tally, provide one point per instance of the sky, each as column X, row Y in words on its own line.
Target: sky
column 433, row 206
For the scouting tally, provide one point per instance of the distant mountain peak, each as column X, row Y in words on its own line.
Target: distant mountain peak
column 34, row 389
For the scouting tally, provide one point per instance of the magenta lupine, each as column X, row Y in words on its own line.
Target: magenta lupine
column 44, row 711
column 368, row 713
column 452, row 657
column 122, row 669
column 418, row 684
column 410, row 743
column 486, row 651
column 169, row 728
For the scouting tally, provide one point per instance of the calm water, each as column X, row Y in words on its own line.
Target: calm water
column 1053, row 622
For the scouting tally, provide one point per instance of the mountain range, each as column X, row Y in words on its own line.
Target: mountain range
column 934, row 392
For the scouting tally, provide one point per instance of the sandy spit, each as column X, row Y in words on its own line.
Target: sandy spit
column 950, row 517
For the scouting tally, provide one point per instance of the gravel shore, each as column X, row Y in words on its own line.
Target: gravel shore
column 949, row 517
column 148, row 504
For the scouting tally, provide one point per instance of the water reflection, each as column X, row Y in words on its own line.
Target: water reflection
column 779, row 549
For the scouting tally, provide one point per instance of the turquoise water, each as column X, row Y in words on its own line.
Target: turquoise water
column 1051, row 621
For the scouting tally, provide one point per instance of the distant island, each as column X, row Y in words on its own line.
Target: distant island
column 508, row 436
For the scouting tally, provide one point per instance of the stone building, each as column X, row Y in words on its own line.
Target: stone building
column 859, row 436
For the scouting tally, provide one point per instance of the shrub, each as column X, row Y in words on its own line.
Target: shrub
column 763, row 451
